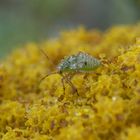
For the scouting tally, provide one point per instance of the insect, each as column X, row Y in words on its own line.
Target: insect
column 70, row 65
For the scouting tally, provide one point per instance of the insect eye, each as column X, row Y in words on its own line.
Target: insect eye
column 85, row 63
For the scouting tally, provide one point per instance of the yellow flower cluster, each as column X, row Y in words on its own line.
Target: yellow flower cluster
column 108, row 104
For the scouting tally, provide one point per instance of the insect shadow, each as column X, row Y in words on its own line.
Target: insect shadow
column 71, row 65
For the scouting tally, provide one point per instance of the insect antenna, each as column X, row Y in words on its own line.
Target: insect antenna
column 43, row 78
column 44, row 53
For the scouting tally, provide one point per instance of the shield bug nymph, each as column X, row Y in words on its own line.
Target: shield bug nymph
column 70, row 65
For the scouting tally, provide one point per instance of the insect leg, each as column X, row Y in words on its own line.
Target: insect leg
column 46, row 77
column 63, row 84
column 69, row 76
column 62, row 80
column 71, row 84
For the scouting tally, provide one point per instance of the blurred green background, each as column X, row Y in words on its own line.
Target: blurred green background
column 24, row 21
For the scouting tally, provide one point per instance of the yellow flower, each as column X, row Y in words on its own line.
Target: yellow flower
column 108, row 99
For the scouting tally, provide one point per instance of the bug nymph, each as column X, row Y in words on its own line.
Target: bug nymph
column 81, row 62
column 69, row 66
